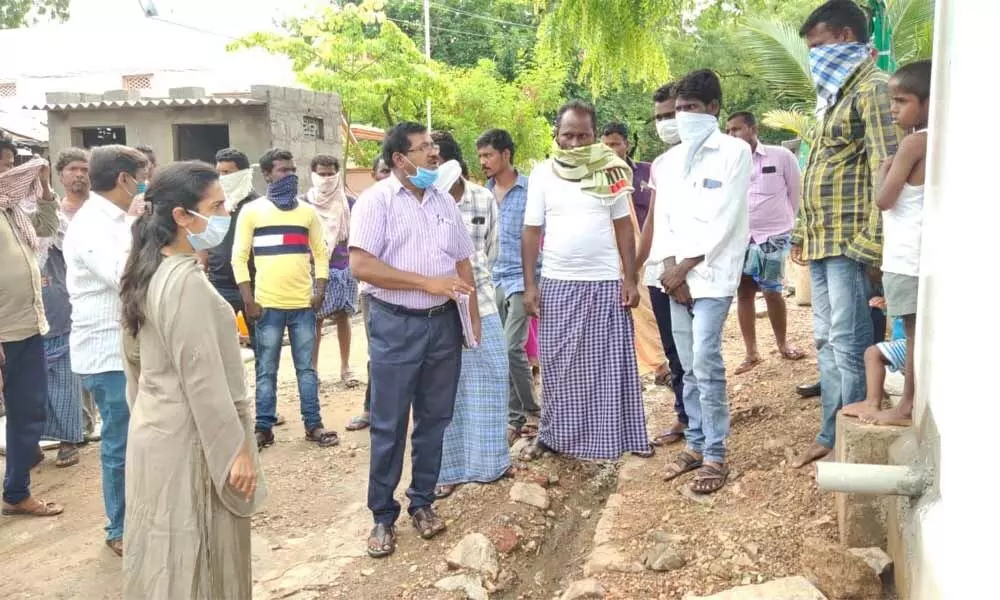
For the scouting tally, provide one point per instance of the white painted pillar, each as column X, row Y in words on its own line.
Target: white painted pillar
column 958, row 330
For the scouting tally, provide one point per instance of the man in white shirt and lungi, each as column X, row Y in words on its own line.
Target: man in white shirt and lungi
column 593, row 396
column 701, row 235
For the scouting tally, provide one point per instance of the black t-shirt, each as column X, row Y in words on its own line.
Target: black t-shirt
column 220, row 258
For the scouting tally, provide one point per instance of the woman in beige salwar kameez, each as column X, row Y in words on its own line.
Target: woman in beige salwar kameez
column 191, row 469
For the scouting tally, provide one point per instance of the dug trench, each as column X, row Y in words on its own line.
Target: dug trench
column 541, row 521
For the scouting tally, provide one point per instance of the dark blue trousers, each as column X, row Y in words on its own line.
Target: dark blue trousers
column 416, row 357
column 25, row 392
column 661, row 310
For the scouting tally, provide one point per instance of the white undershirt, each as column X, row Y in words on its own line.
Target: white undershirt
column 579, row 232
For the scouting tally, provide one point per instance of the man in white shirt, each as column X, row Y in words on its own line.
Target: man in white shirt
column 702, row 229
column 96, row 247
column 593, row 396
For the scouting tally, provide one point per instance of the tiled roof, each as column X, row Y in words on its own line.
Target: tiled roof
column 150, row 103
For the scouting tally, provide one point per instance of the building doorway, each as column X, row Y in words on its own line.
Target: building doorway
column 199, row 142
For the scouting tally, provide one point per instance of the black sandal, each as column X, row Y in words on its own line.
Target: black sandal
column 265, row 438
column 710, row 478
column 684, row 463
column 324, row 438
column 384, row 538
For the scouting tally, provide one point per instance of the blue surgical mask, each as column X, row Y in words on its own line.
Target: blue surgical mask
column 424, row 178
column 215, row 232
column 140, row 187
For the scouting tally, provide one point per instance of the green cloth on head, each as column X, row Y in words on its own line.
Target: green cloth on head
column 598, row 169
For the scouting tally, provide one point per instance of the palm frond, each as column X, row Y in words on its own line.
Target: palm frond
column 799, row 123
column 780, row 57
column 912, row 26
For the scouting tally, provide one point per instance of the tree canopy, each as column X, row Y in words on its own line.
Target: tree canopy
column 19, row 13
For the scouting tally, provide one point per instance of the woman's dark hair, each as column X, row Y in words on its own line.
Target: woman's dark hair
column 178, row 184
column 914, row 78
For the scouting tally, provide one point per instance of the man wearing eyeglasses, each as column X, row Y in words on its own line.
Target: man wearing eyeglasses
column 409, row 246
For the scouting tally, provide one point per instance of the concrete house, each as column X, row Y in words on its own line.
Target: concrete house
column 191, row 124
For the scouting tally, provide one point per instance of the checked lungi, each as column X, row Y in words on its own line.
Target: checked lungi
column 475, row 443
column 592, row 395
column 64, row 411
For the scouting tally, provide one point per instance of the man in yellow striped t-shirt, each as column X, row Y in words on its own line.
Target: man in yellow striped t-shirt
column 286, row 238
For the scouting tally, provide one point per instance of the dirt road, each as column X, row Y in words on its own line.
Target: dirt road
column 309, row 541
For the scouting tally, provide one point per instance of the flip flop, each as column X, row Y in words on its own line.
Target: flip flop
column 747, row 365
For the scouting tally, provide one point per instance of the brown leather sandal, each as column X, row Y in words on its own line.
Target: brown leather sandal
column 32, row 507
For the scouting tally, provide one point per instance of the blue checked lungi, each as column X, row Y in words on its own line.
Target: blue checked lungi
column 64, row 411
column 590, row 384
column 894, row 352
column 475, row 442
column 341, row 294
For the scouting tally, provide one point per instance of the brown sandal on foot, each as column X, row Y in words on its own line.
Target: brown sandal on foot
column 684, row 463
column 32, row 507
column 427, row 523
column 67, row 456
column 747, row 365
column 710, row 478
column 116, row 546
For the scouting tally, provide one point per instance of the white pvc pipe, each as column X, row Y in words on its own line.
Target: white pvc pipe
column 879, row 480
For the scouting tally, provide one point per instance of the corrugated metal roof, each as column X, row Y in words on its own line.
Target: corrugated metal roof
column 150, row 103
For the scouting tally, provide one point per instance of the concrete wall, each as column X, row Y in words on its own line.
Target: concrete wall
column 252, row 129
column 286, row 108
column 951, row 530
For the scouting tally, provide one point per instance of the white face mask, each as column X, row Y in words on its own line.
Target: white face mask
column 448, row 174
column 318, row 180
column 695, row 128
column 667, row 130
column 236, row 186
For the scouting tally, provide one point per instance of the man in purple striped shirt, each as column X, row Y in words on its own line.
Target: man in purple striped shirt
column 773, row 200
column 408, row 242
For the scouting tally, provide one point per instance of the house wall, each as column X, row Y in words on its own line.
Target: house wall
column 252, row 129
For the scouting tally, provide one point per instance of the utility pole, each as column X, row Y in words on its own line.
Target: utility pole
column 427, row 49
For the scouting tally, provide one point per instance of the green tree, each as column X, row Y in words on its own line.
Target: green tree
column 465, row 31
column 20, row 13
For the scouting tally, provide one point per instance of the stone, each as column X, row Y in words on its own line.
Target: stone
column 519, row 446
column 788, row 588
column 585, row 588
column 752, row 549
column 663, row 557
column 606, row 559
column 838, row 573
column 585, row 514
column 470, row 584
column 861, row 519
column 531, row 494
column 505, row 539
column 876, row 558
column 706, row 499
column 475, row 552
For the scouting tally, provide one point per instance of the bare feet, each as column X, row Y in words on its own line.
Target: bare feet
column 811, row 455
column 899, row 416
column 860, row 409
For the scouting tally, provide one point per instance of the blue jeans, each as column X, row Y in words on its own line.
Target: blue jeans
column 660, row 302
column 108, row 390
column 416, row 359
column 698, row 335
column 842, row 326
column 270, row 330
column 25, row 390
